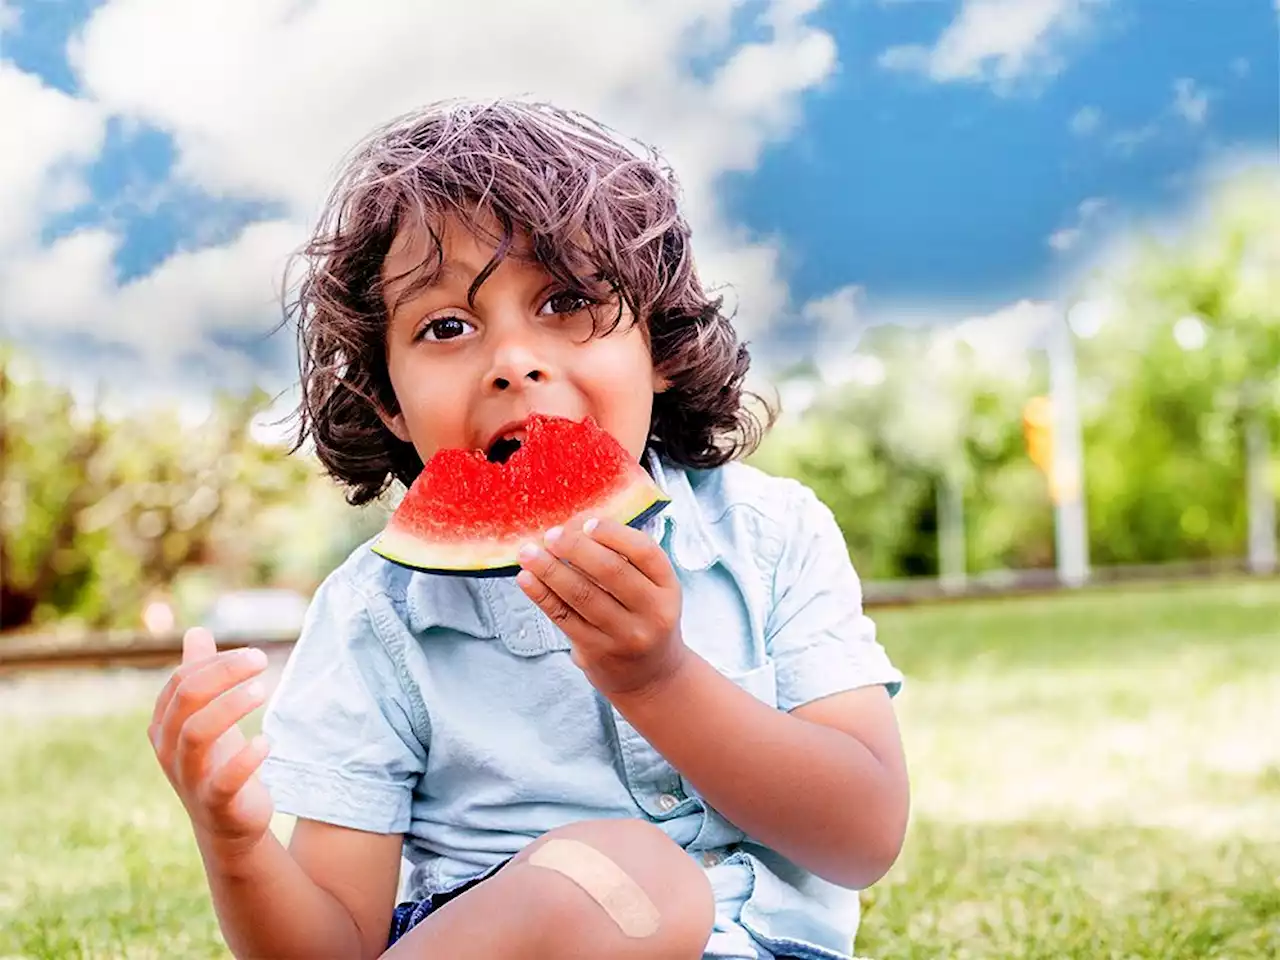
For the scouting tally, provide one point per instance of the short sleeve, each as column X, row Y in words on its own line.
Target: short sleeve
column 821, row 641
column 343, row 744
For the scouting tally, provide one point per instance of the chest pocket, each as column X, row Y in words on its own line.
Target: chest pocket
column 723, row 621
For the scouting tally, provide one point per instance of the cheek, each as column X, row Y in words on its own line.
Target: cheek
column 622, row 388
column 434, row 414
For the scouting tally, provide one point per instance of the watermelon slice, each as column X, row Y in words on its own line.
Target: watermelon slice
column 468, row 515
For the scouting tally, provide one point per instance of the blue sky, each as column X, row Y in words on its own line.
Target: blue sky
column 972, row 181
column 919, row 189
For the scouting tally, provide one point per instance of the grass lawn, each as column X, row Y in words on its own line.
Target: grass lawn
column 1094, row 777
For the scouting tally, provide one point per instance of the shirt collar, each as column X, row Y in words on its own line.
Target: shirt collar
column 681, row 527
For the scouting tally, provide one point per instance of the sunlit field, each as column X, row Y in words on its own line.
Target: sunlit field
column 1094, row 776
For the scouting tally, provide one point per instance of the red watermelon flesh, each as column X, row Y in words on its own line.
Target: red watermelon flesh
column 468, row 516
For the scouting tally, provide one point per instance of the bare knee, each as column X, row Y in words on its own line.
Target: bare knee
column 622, row 888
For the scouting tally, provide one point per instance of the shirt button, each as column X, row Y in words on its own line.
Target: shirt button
column 667, row 802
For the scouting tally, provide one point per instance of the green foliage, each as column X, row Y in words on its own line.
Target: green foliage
column 99, row 513
column 1193, row 352
column 1190, row 349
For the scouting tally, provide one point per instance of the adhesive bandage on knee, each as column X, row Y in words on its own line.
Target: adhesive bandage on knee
column 604, row 881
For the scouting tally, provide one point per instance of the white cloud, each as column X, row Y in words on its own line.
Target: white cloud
column 1068, row 237
column 1127, row 142
column 839, row 317
column 996, row 42
column 1091, row 207
column 1190, row 105
column 1190, row 102
column 1004, row 340
column 1085, row 121
column 262, row 98
column 62, row 286
column 10, row 18
column 836, row 324
column 48, row 137
column 167, row 315
column 908, row 58
column 836, row 368
column 1064, row 238
column 248, row 79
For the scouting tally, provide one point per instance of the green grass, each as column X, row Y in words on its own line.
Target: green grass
column 1093, row 777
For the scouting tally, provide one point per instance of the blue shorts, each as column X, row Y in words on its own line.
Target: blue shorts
column 409, row 914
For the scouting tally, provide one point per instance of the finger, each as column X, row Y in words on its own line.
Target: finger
column 198, row 644
column 166, row 695
column 610, row 569
column 206, row 726
column 202, row 684
column 176, row 679
column 556, row 609
column 229, row 779
column 640, row 549
column 582, row 595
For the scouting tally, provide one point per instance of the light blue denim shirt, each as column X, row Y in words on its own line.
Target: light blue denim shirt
column 449, row 710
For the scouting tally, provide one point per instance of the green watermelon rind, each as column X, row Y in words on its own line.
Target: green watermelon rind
column 634, row 504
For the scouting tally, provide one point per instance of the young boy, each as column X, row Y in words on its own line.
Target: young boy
column 675, row 742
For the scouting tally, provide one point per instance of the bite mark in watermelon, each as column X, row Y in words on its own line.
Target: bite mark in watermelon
column 466, row 515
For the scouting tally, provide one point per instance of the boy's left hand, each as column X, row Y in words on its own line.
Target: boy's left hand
column 612, row 591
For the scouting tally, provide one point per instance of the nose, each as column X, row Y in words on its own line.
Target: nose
column 505, row 383
column 517, row 364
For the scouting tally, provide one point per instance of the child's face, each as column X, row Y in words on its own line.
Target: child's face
column 467, row 377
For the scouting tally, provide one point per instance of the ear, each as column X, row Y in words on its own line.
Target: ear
column 660, row 383
column 395, row 423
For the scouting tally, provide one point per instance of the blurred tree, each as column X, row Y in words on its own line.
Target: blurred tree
column 48, row 454
column 180, row 497
column 1185, row 364
column 875, row 501
column 914, row 410
column 98, row 512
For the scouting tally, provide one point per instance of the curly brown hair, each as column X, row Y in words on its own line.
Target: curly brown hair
column 580, row 196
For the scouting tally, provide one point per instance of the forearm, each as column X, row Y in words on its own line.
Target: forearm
column 268, row 907
column 815, row 794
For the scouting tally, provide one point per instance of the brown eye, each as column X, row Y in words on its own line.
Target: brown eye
column 445, row 328
column 567, row 301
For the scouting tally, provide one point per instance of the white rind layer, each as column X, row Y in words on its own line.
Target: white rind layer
column 480, row 557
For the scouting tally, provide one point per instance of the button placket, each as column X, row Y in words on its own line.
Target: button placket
column 522, row 627
column 652, row 782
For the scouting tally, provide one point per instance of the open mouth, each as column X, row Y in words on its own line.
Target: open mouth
column 500, row 450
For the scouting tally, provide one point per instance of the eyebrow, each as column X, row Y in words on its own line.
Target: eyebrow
column 457, row 272
column 410, row 286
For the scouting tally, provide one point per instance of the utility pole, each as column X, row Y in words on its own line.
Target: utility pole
column 1066, row 479
column 1261, row 498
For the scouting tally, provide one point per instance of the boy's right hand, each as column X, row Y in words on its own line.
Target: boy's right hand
column 203, row 752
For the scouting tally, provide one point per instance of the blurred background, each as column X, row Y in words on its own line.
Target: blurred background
column 1011, row 267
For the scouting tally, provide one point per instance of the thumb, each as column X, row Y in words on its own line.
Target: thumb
column 198, row 644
